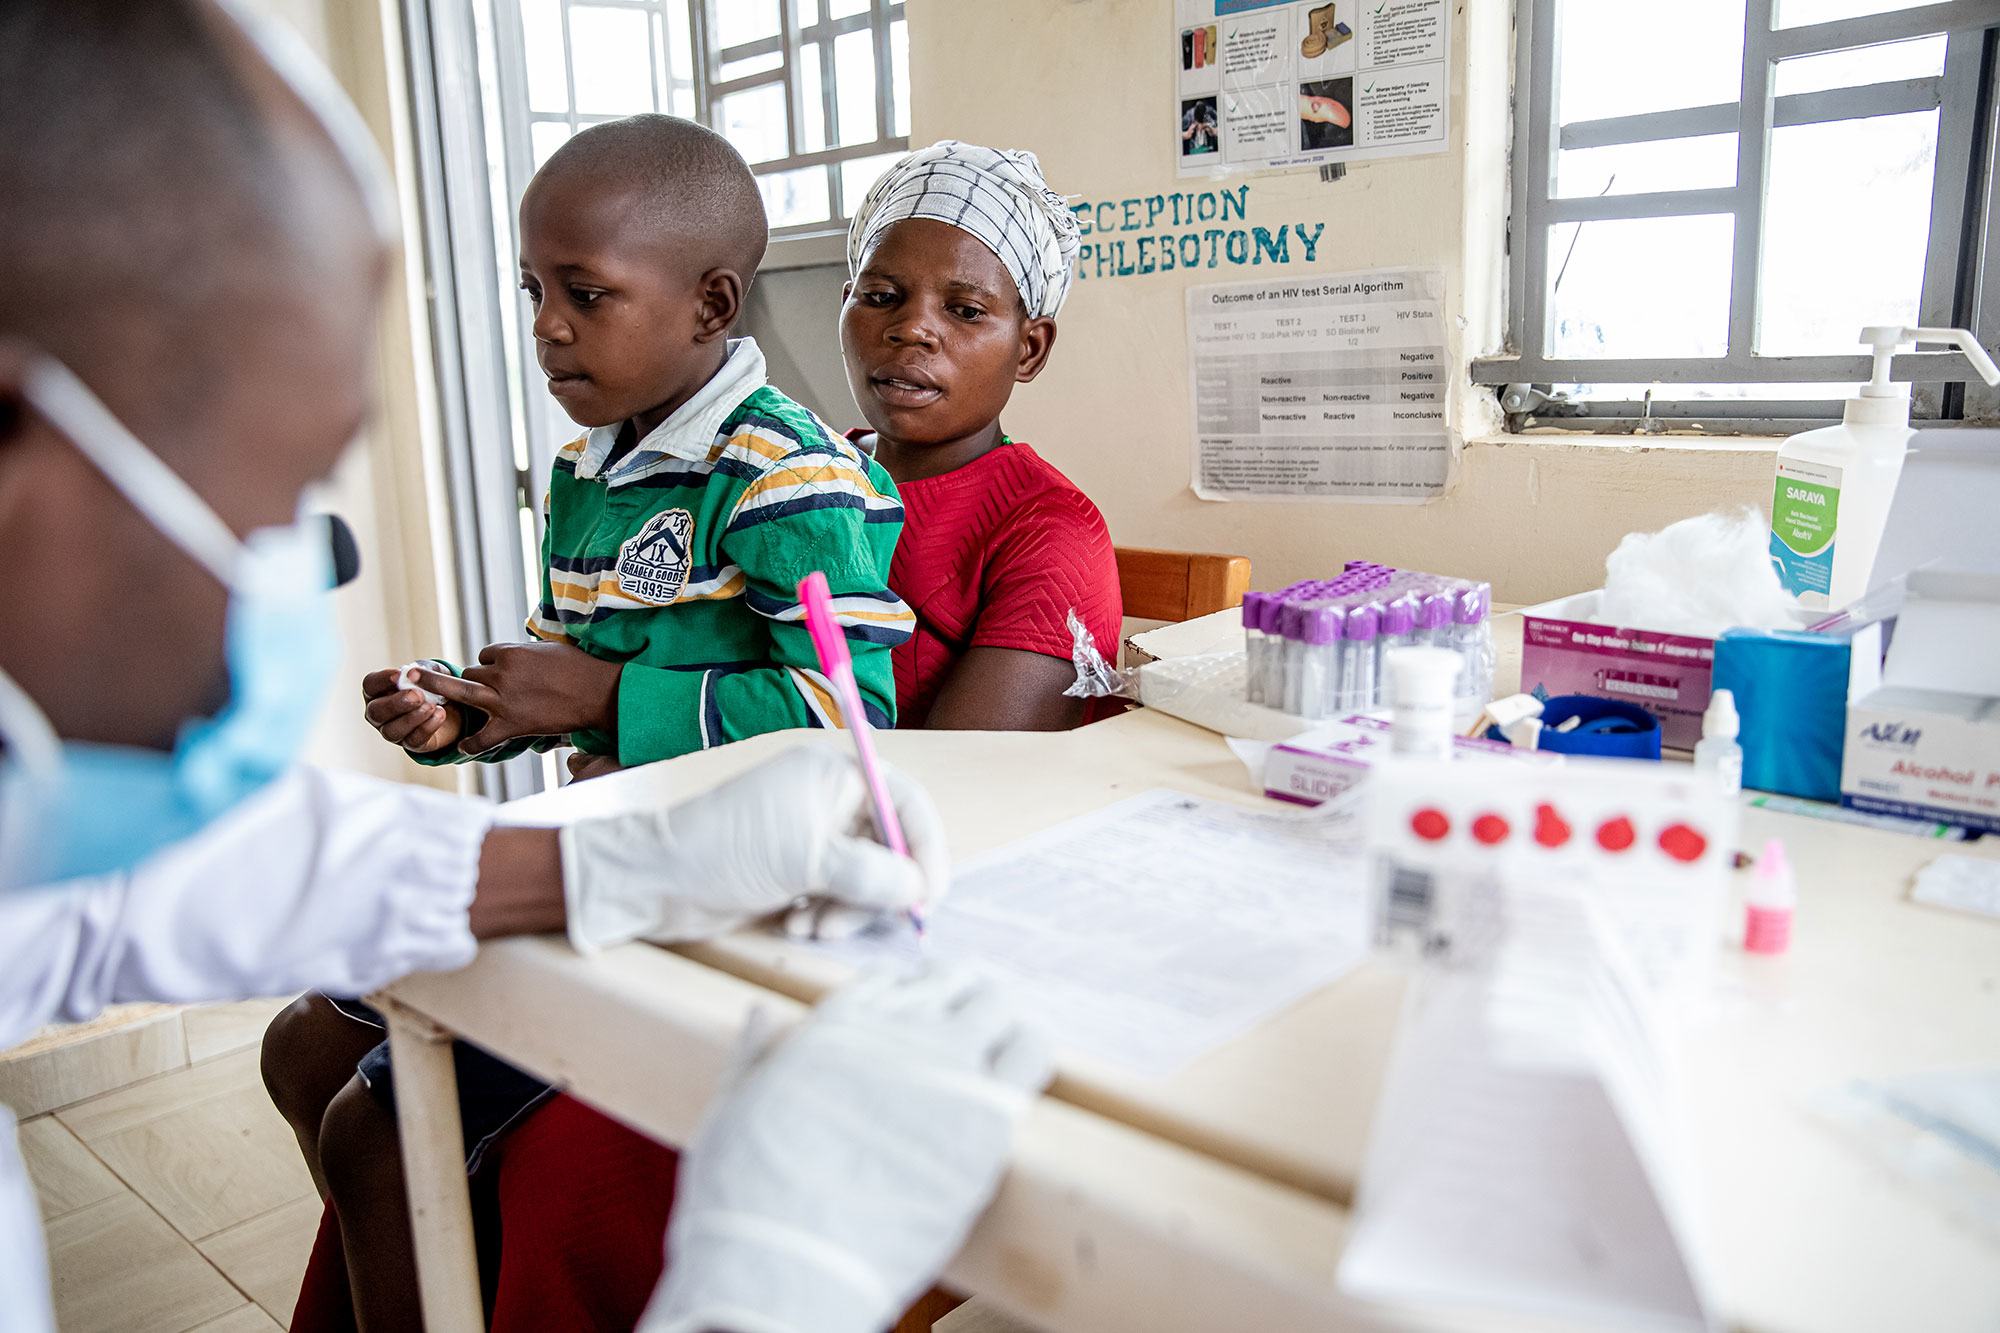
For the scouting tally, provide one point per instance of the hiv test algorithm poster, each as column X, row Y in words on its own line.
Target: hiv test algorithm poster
column 1326, row 386
column 1290, row 83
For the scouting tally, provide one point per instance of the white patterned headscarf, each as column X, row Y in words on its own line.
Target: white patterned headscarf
column 996, row 194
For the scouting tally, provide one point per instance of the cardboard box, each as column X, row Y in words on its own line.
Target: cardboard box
column 1926, row 744
column 1333, row 756
column 1565, row 649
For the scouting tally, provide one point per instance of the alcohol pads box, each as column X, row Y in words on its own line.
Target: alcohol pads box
column 1565, row 649
column 1324, row 762
column 1926, row 744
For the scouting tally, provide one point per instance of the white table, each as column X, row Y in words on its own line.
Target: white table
column 1216, row 1199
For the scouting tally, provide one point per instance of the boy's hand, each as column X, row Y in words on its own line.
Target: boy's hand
column 583, row 766
column 533, row 689
column 405, row 717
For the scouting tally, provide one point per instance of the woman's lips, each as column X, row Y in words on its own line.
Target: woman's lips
column 897, row 392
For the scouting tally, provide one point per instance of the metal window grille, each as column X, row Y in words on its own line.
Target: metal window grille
column 1542, row 387
column 815, row 93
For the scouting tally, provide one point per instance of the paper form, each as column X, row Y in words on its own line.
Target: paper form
column 1525, row 1151
column 1528, row 1150
column 1155, row 930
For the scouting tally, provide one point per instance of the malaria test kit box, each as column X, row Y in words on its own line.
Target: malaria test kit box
column 1926, row 743
column 1566, row 649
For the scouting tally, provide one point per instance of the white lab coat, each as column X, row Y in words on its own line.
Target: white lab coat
column 327, row 881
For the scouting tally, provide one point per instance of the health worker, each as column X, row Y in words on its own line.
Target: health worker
column 192, row 243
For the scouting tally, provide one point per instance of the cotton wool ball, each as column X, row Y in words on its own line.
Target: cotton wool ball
column 1700, row 576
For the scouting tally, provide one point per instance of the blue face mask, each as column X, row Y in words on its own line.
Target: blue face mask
column 73, row 808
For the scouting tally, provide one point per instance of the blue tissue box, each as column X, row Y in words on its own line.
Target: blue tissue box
column 1791, row 693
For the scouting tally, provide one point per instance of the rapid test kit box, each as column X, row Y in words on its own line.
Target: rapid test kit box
column 1565, row 649
column 1324, row 762
column 1926, row 743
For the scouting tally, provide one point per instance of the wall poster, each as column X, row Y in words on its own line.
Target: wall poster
column 1288, row 83
column 1324, row 386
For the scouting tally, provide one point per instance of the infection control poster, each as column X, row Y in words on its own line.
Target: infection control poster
column 1287, row 83
column 1330, row 386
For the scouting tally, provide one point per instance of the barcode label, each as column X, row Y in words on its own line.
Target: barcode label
column 1411, row 901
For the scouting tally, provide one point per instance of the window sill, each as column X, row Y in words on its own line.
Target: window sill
column 813, row 249
column 1691, row 442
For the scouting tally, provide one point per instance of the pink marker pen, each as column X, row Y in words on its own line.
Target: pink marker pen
column 1774, row 892
column 831, row 645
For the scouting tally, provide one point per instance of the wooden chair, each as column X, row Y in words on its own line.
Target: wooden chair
column 1179, row 585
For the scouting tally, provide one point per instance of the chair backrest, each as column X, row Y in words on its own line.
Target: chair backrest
column 1179, row 585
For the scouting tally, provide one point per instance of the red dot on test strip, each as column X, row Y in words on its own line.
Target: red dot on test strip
column 1551, row 829
column 1430, row 824
column 1616, row 835
column 1682, row 842
column 1490, row 829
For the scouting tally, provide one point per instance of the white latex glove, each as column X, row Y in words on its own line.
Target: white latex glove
column 796, row 827
column 838, row 1175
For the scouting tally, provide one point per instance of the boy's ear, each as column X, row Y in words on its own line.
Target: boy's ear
column 1038, row 338
column 846, row 292
column 721, row 303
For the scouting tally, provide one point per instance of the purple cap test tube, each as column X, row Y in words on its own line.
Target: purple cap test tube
column 1321, row 661
column 1434, row 620
column 1253, row 646
column 1471, row 605
column 1470, row 637
column 1399, row 619
column 1357, row 656
column 1281, row 687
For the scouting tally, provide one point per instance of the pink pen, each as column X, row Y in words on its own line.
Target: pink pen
column 831, row 645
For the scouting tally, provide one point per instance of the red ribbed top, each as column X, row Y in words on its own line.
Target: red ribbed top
column 994, row 555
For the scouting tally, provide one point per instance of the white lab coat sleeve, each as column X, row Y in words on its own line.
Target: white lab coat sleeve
column 328, row 880
column 24, row 1283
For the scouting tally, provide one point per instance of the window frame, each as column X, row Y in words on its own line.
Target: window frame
column 1965, row 217
column 707, row 90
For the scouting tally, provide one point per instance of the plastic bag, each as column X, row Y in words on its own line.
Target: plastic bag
column 1096, row 678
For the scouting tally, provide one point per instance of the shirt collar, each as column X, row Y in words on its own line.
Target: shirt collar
column 690, row 432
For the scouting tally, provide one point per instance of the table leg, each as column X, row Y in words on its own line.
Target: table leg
column 434, row 1171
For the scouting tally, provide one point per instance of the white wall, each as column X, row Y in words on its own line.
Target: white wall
column 390, row 485
column 1088, row 85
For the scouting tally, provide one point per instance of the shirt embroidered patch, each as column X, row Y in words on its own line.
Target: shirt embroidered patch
column 653, row 563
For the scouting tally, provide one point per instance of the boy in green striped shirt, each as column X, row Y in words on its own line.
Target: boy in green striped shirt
column 676, row 532
column 677, row 528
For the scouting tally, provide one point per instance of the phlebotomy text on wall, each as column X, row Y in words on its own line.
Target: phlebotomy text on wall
column 1159, row 233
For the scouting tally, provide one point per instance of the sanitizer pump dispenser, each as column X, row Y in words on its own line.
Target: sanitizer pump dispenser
column 1835, row 484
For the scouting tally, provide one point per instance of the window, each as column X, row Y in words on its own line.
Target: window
column 814, row 93
column 1712, row 198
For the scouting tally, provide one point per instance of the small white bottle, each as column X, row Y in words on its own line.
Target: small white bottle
column 1421, row 681
column 1717, row 751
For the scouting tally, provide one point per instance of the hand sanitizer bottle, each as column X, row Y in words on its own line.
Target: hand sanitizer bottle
column 1717, row 751
column 1834, row 485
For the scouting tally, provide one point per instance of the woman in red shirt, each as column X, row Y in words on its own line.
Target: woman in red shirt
column 960, row 258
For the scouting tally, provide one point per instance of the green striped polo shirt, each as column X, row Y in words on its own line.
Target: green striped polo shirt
column 683, row 559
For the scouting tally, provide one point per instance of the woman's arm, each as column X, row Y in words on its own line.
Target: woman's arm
column 1006, row 689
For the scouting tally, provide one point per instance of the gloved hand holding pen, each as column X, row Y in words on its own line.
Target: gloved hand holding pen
column 798, row 827
column 838, row 1172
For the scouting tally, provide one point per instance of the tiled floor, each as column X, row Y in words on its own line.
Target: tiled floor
column 178, row 1203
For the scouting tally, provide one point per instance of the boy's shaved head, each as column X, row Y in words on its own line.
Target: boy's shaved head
column 150, row 189
column 695, row 187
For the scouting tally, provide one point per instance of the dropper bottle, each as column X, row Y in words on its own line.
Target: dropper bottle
column 1774, row 894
